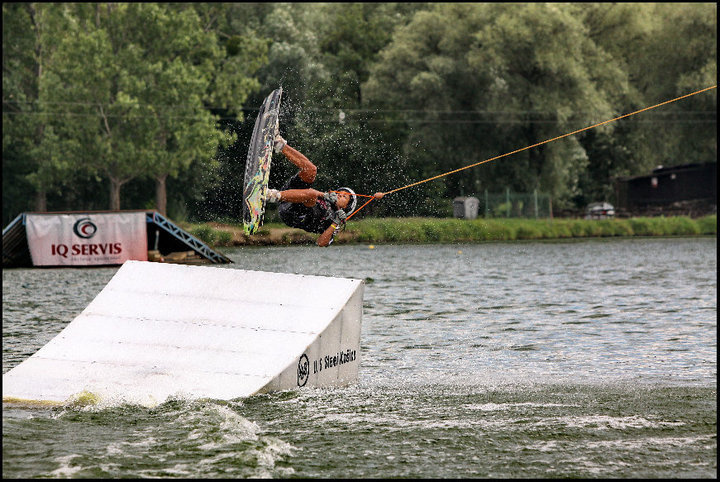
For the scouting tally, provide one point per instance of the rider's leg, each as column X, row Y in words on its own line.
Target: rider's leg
column 308, row 171
column 307, row 197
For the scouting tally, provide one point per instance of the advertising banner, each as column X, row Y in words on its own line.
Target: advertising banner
column 86, row 239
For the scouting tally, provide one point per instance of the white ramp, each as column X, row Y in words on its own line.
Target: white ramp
column 159, row 330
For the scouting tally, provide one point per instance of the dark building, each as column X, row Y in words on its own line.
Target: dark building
column 688, row 187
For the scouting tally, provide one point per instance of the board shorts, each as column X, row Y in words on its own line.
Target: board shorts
column 296, row 215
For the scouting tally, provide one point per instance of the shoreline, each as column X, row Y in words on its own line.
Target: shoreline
column 451, row 230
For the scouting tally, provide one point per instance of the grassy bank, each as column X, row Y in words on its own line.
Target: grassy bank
column 455, row 230
column 442, row 230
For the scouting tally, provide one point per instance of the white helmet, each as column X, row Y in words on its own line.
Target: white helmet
column 353, row 201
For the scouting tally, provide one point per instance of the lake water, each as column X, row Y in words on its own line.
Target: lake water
column 594, row 358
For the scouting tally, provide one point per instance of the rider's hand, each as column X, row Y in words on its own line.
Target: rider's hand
column 330, row 197
column 338, row 217
column 379, row 195
column 280, row 143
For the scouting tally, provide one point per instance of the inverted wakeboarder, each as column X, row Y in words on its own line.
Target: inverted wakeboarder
column 301, row 206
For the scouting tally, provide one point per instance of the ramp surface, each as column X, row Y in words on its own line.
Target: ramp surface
column 161, row 330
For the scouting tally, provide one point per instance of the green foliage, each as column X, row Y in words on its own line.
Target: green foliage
column 495, row 230
column 439, row 231
column 424, row 230
column 557, row 230
column 211, row 236
column 433, row 232
column 647, row 226
column 134, row 96
column 205, row 233
column 478, row 58
column 366, row 230
column 682, row 226
column 34, row 142
column 707, row 224
column 224, row 238
column 122, row 90
column 529, row 232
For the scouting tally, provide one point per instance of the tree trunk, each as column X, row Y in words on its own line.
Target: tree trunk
column 40, row 195
column 115, row 185
column 161, row 194
column 40, row 202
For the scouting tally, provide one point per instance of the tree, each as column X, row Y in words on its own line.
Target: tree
column 333, row 125
column 319, row 54
column 679, row 56
column 180, row 58
column 144, row 77
column 30, row 130
column 667, row 50
column 290, row 64
column 94, row 78
column 143, row 94
column 493, row 78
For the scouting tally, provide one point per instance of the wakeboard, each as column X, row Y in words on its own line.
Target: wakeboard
column 257, row 164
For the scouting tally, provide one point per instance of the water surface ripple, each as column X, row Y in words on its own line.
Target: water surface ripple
column 565, row 359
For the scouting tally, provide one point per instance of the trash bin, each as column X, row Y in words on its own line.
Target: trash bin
column 466, row 207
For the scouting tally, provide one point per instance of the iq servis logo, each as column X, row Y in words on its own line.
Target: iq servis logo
column 85, row 229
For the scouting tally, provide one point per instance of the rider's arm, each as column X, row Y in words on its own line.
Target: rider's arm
column 327, row 236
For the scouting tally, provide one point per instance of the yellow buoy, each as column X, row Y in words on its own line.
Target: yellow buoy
column 371, row 247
